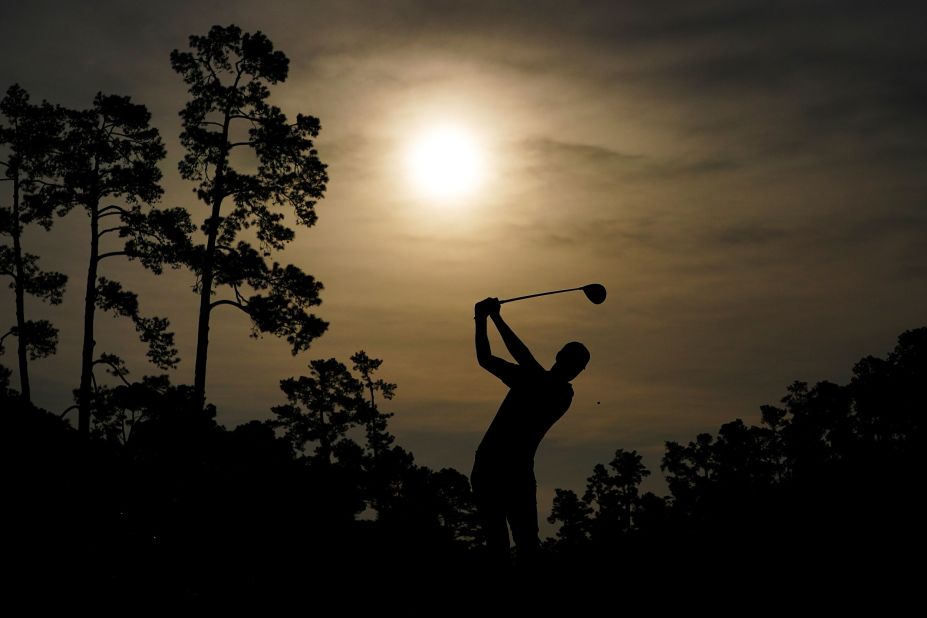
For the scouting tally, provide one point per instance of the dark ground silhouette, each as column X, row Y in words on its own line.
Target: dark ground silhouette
column 822, row 497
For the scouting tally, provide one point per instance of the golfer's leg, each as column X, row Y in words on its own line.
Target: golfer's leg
column 490, row 507
column 522, row 514
column 492, row 517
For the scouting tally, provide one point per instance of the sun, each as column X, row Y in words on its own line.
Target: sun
column 445, row 162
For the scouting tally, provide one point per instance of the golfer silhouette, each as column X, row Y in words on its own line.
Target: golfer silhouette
column 502, row 479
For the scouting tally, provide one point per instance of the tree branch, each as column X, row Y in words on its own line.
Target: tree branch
column 233, row 303
column 239, row 72
column 111, row 229
column 115, row 368
column 110, row 254
column 238, row 295
column 45, row 183
column 212, row 72
column 68, row 409
column 112, row 208
column 130, row 138
column 8, row 333
column 243, row 116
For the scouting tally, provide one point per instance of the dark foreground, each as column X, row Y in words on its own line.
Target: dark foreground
column 820, row 503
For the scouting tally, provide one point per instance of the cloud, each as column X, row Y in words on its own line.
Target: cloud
column 614, row 166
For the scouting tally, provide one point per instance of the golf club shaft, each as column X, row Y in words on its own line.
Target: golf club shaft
column 509, row 300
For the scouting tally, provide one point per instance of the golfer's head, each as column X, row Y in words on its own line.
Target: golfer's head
column 571, row 360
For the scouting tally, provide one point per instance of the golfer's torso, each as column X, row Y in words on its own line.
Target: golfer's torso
column 529, row 410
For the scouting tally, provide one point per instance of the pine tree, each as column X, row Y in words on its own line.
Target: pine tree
column 229, row 74
column 108, row 167
column 29, row 136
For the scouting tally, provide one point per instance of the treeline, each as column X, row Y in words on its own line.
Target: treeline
column 823, row 492
column 164, row 503
column 828, row 483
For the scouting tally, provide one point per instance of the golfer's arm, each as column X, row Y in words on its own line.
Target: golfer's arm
column 502, row 369
column 483, row 352
column 517, row 349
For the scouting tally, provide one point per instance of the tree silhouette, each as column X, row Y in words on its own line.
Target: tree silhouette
column 614, row 493
column 889, row 397
column 385, row 463
column 119, row 410
column 403, row 494
column 574, row 516
column 831, row 467
column 322, row 408
column 373, row 419
column 5, row 391
column 414, row 505
column 456, row 508
column 607, row 511
column 29, row 135
column 228, row 74
column 110, row 152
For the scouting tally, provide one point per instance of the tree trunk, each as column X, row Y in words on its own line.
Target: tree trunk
column 90, row 301
column 202, row 327
column 325, row 445
column 19, row 285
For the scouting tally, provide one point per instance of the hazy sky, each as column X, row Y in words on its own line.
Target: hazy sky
column 746, row 178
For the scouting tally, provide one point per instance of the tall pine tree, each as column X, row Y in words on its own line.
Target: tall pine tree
column 29, row 136
column 227, row 122
column 108, row 167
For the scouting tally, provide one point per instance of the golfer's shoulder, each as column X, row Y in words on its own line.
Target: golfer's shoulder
column 559, row 387
column 560, row 398
column 567, row 390
column 532, row 372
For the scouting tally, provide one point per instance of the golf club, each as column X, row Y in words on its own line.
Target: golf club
column 594, row 292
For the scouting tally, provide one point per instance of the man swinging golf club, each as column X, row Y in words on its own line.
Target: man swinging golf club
column 502, row 479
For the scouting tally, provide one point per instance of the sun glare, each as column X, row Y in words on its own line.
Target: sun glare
column 445, row 163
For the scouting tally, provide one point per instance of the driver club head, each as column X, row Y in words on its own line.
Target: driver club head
column 595, row 292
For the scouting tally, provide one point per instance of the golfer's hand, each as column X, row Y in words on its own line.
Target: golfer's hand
column 487, row 307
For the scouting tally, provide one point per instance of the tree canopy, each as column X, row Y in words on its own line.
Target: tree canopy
column 228, row 74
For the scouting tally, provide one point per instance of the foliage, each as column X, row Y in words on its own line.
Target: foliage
column 39, row 336
column 607, row 510
column 325, row 412
column 111, row 153
column 322, row 407
column 228, row 74
column 121, row 409
column 112, row 297
column 28, row 135
column 825, row 476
